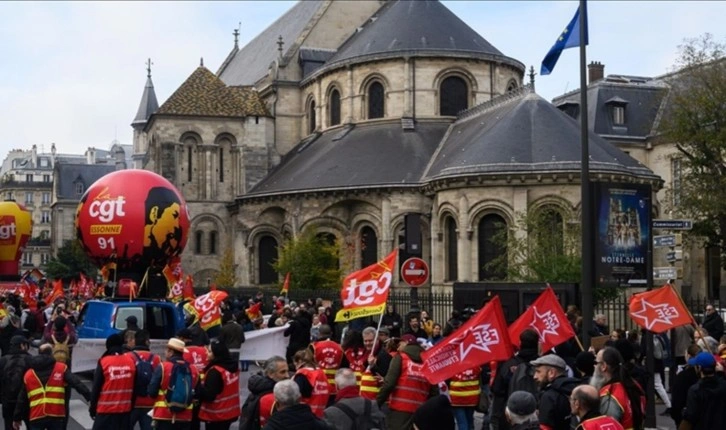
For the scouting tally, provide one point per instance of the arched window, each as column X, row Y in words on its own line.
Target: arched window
column 311, row 117
column 267, row 252
column 198, row 242
column 369, row 247
column 375, row 101
column 190, row 141
column 213, row 242
column 452, row 253
column 550, row 231
column 189, row 165
column 491, row 247
column 453, row 96
column 512, row 85
column 334, row 102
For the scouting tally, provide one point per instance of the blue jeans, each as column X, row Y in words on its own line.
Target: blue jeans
column 464, row 418
column 140, row 415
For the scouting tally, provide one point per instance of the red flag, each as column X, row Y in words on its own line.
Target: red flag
column 173, row 271
column 255, row 311
column 286, row 285
column 365, row 292
column 56, row 293
column 188, row 290
column 483, row 338
column 659, row 310
column 175, row 291
column 546, row 317
column 207, row 308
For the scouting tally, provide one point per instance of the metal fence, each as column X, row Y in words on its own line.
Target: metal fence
column 616, row 311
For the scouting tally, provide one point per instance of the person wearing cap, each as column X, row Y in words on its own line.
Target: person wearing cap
column 163, row 417
column 550, row 372
column 142, row 404
column 113, row 387
column 585, row 406
column 195, row 354
column 706, row 400
column 328, row 355
column 682, row 382
column 620, row 396
column 13, row 365
column 219, row 390
column 585, row 366
column 521, row 411
column 435, row 414
column 404, row 386
column 41, row 400
column 349, row 404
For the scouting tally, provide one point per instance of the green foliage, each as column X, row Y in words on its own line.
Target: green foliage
column 695, row 121
column 70, row 262
column 226, row 277
column 311, row 261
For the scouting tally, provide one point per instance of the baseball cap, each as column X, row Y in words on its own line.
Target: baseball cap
column 19, row 340
column 551, row 360
column 384, row 330
column 703, row 359
column 408, row 338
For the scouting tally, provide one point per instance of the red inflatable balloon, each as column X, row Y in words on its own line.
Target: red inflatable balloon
column 134, row 218
column 15, row 227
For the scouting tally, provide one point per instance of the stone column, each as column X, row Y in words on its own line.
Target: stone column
column 463, row 244
column 386, row 228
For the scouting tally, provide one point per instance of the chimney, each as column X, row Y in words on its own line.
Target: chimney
column 595, row 72
column 91, row 155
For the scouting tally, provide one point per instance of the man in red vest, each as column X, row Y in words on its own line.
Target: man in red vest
column 464, row 391
column 143, row 404
column 585, row 405
column 620, row 396
column 328, row 355
column 113, row 387
column 46, row 374
column 219, row 392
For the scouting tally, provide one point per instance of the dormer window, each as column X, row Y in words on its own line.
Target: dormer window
column 616, row 106
column 570, row 108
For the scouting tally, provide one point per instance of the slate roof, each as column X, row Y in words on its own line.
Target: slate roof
column 148, row 104
column 312, row 59
column 523, row 133
column 71, row 173
column 415, row 27
column 204, row 94
column 362, row 156
column 251, row 63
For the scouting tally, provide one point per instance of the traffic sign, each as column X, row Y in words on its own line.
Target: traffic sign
column 673, row 224
column 667, row 240
column 674, row 256
column 666, row 272
column 415, row 272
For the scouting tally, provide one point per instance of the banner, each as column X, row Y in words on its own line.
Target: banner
column 56, row 293
column 365, row 292
column 206, row 308
column 659, row 310
column 482, row 339
column 546, row 317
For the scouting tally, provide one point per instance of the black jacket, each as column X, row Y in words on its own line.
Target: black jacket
column 679, row 391
column 12, row 367
column 43, row 367
column 213, row 382
column 296, row 417
column 714, row 324
column 299, row 333
column 258, row 386
column 706, row 404
column 554, row 403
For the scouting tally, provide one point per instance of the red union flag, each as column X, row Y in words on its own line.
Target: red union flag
column 546, row 317
column 482, row 339
column 659, row 310
column 365, row 292
column 206, row 308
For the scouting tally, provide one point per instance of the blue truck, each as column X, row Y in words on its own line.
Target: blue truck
column 101, row 318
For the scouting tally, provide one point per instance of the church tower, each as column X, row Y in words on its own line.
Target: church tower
column 148, row 106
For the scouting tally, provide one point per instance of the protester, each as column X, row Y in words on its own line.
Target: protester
column 464, row 392
column 413, row 326
column 143, row 403
column 706, row 400
column 392, row 321
column 13, row 366
column 231, row 334
column 328, row 356
column 585, row 405
column 299, row 333
column 427, row 324
column 599, row 326
column 435, row 414
column 521, row 411
column 620, row 396
column 349, row 405
column 255, row 412
column 713, row 322
column 683, row 381
column 312, row 382
column 291, row 414
column 436, row 336
column 556, row 387
column 354, row 353
column 585, row 366
column 219, row 390
column 113, row 387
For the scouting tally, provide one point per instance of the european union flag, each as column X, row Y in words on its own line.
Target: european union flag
column 570, row 38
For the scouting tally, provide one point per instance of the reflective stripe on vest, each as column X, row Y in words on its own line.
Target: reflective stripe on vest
column 328, row 355
column 161, row 409
column 601, row 422
column 412, row 389
column 464, row 388
column 318, row 400
column 369, row 386
column 48, row 401
column 118, row 384
column 226, row 405
column 146, row 402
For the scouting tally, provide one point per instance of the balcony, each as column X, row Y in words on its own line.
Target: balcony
column 23, row 185
column 37, row 241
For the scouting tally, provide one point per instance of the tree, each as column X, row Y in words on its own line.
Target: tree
column 70, row 262
column 695, row 121
column 311, row 261
column 226, row 277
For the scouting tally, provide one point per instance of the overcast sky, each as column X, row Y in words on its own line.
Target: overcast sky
column 73, row 73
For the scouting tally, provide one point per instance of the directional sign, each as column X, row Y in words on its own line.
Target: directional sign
column 666, row 272
column 667, row 240
column 415, row 272
column 673, row 224
column 674, row 256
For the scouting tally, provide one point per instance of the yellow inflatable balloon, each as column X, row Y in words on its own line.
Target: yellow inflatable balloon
column 15, row 227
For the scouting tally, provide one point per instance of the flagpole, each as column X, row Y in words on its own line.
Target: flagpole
column 375, row 338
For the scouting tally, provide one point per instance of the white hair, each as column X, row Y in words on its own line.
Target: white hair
column 287, row 393
column 345, row 377
column 521, row 419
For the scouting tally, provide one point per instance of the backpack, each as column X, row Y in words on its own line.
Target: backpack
column 61, row 351
column 665, row 347
column 180, row 393
column 360, row 421
column 523, row 379
column 144, row 372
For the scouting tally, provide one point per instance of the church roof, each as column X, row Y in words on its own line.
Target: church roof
column 362, row 156
column 69, row 174
column 415, row 27
column 148, row 104
column 204, row 94
column 521, row 132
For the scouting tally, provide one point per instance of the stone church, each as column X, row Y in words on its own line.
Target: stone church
column 346, row 116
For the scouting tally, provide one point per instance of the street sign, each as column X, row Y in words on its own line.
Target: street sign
column 415, row 272
column 673, row 224
column 674, row 256
column 666, row 272
column 667, row 240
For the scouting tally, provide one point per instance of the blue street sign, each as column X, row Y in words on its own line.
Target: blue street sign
column 673, row 224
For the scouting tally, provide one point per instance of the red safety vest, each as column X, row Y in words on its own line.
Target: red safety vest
column 198, row 357
column 48, row 401
column 267, row 408
column 465, row 387
column 225, row 406
column 369, row 385
column 357, row 361
column 161, row 410
column 599, row 423
column 319, row 399
column 119, row 374
column 412, row 389
column 328, row 355
column 146, row 402
column 618, row 394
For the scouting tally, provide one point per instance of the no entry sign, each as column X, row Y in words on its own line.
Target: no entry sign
column 415, row 272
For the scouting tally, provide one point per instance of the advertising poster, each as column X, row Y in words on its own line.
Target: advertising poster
column 623, row 233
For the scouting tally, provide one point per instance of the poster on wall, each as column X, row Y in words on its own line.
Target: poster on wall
column 623, row 234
